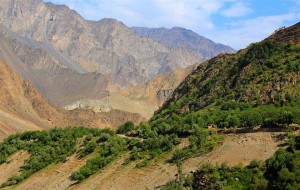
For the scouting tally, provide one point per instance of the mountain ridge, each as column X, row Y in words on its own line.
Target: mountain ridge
column 184, row 38
column 106, row 46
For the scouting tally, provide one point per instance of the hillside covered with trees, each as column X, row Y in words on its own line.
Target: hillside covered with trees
column 258, row 85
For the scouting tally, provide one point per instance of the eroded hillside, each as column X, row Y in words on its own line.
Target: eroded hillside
column 22, row 108
column 143, row 99
column 106, row 46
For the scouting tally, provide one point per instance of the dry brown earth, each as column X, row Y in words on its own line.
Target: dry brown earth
column 22, row 108
column 236, row 149
column 143, row 99
column 12, row 165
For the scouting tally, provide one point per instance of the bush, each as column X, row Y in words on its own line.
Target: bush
column 126, row 127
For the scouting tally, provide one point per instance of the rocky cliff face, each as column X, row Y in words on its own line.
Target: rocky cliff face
column 181, row 37
column 48, row 71
column 106, row 46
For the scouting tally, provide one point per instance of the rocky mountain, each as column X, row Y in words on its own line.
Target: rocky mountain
column 106, row 46
column 143, row 99
column 22, row 108
column 181, row 37
column 48, row 71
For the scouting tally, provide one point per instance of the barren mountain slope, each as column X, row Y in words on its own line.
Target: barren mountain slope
column 106, row 46
column 49, row 72
column 184, row 38
column 22, row 107
column 143, row 99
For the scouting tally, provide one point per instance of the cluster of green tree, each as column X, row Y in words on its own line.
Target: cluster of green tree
column 91, row 142
column 126, row 127
column 45, row 148
column 149, row 143
column 158, row 138
column 107, row 152
column 264, row 115
column 201, row 141
column 230, row 114
column 279, row 172
column 283, row 169
column 163, row 134
column 225, row 177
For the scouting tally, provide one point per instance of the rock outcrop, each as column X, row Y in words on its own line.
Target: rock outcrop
column 106, row 46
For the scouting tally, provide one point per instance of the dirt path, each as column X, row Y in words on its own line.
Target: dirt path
column 12, row 166
column 55, row 177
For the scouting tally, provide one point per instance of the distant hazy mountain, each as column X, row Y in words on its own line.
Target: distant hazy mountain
column 181, row 37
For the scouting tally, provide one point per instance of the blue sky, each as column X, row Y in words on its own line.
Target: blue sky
column 233, row 22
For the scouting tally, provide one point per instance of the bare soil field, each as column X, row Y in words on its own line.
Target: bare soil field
column 12, row 166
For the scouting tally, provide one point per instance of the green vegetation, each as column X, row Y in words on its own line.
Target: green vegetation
column 126, row 127
column 48, row 147
column 255, row 87
column 264, row 74
column 162, row 137
column 279, row 172
column 258, row 86
column 283, row 169
column 106, row 153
